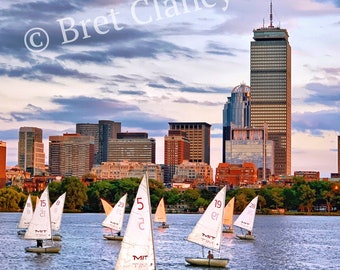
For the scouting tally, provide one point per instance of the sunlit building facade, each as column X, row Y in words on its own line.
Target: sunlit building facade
column 198, row 134
column 2, row 164
column 70, row 155
column 193, row 173
column 270, row 82
column 31, row 155
column 126, row 169
column 176, row 150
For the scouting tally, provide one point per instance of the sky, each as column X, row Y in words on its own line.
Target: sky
column 146, row 63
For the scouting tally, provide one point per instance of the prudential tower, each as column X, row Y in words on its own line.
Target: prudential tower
column 270, row 82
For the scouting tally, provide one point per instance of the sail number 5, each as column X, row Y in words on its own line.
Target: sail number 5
column 141, row 219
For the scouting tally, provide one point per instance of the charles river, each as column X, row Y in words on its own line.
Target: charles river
column 282, row 242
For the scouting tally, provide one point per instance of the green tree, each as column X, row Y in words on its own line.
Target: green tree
column 75, row 193
column 307, row 197
column 9, row 199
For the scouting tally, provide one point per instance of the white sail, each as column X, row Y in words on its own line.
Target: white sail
column 107, row 207
column 27, row 214
column 57, row 210
column 116, row 217
column 246, row 219
column 208, row 230
column 137, row 249
column 40, row 225
column 160, row 215
column 228, row 213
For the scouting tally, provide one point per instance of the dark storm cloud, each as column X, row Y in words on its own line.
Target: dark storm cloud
column 316, row 121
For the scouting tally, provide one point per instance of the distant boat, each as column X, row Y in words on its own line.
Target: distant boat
column 137, row 249
column 40, row 227
column 57, row 210
column 115, row 219
column 228, row 215
column 160, row 215
column 107, row 207
column 208, row 233
column 26, row 216
column 246, row 220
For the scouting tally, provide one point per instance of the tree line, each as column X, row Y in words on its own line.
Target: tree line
column 302, row 196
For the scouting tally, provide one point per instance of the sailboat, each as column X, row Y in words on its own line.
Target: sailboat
column 208, row 233
column 57, row 210
column 26, row 216
column 115, row 219
column 107, row 207
column 160, row 215
column 137, row 249
column 40, row 227
column 246, row 220
column 228, row 215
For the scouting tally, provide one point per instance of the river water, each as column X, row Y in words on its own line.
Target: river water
column 282, row 242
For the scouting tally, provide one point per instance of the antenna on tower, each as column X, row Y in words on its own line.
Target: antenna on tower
column 271, row 14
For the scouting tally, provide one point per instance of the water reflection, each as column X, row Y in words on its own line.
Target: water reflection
column 282, row 242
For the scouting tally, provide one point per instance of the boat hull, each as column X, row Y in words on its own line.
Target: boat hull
column 246, row 236
column 165, row 226
column 216, row 262
column 228, row 230
column 56, row 237
column 22, row 232
column 46, row 249
column 113, row 237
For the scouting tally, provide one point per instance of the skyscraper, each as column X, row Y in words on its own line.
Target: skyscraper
column 199, row 135
column 102, row 133
column 176, row 150
column 132, row 146
column 270, row 82
column 2, row 164
column 70, row 155
column 31, row 155
column 236, row 113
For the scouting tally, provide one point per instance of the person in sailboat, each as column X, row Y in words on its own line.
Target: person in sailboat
column 210, row 255
column 249, row 233
column 39, row 243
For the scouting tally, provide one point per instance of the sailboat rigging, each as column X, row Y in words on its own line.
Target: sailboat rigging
column 160, row 215
column 208, row 232
column 137, row 249
column 40, row 227
column 246, row 220
column 115, row 219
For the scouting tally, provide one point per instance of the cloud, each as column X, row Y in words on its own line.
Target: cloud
column 315, row 122
column 323, row 94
